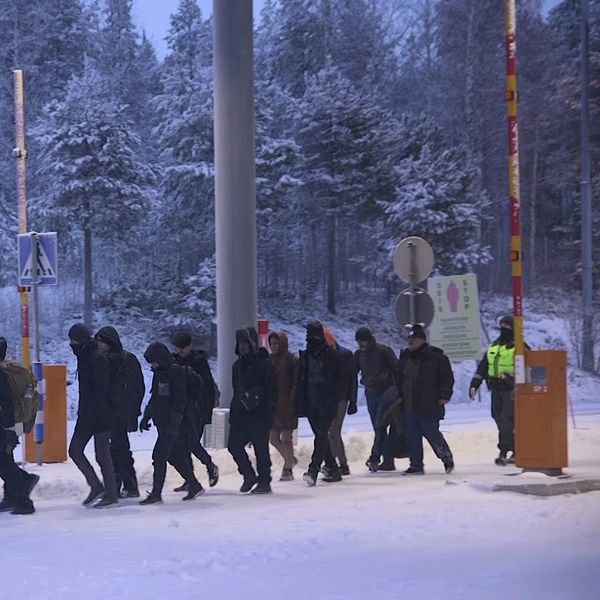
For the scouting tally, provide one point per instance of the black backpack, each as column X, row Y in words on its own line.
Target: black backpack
column 199, row 407
column 132, row 384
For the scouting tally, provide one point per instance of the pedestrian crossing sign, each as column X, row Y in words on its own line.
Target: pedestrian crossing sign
column 46, row 260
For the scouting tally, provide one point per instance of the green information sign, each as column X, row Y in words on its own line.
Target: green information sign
column 456, row 327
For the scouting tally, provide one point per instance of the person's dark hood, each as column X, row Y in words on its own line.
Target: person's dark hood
column 159, row 353
column 248, row 334
column 110, row 336
column 80, row 333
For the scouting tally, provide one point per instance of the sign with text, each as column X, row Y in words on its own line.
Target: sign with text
column 456, row 327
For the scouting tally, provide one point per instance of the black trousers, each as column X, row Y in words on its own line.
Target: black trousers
column 322, row 451
column 79, row 441
column 172, row 450
column 255, row 431
column 122, row 458
column 16, row 480
column 198, row 450
column 503, row 412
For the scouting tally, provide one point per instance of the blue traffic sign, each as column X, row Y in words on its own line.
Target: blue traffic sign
column 46, row 260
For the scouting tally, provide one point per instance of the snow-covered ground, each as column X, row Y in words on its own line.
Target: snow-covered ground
column 373, row 535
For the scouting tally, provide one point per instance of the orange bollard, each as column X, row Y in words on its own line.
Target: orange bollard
column 55, row 417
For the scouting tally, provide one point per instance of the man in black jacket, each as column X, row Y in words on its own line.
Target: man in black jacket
column 378, row 367
column 166, row 408
column 348, row 404
column 319, row 392
column 127, row 394
column 94, row 417
column 252, row 411
column 18, row 484
column 186, row 356
column 426, row 383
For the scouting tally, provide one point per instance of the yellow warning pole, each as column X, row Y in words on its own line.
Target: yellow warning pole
column 20, row 153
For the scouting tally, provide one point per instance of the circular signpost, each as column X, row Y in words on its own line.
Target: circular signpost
column 413, row 260
column 422, row 303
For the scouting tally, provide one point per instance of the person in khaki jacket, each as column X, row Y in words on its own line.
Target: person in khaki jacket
column 286, row 420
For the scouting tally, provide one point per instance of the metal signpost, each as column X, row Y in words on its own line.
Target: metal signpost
column 413, row 263
column 37, row 266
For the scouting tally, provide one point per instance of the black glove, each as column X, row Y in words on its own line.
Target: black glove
column 145, row 424
column 352, row 408
column 132, row 424
column 173, row 427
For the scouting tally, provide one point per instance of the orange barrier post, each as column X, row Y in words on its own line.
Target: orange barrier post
column 55, row 417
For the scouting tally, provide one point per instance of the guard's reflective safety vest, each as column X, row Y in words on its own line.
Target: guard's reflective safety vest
column 501, row 360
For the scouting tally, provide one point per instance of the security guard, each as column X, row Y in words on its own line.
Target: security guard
column 497, row 367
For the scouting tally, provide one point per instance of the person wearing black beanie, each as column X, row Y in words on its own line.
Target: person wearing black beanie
column 94, row 418
column 378, row 367
column 318, row 394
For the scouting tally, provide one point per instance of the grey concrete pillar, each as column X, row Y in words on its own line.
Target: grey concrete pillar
column 235, row 191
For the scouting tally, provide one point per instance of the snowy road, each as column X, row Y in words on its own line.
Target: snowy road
column 380, row 535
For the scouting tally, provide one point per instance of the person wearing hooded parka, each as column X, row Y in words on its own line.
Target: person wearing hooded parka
column 127, row 394
column 252, row 410
column 93, row 417
column 166, row 410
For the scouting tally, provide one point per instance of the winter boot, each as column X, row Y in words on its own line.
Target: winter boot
column 262, row 488
column 449, row 467
column 387, row 465
column 106, row 503
column 23, row 508
column 501, row 461
column 372, row 464
column 512, row 459
column 129, row 494
column 287, row 475
column 345, row 470
column 249, row 483
column 310, row 479
column 194, row 490
column 333, row 476
column 213, row 474
column 182, row 488
column 413, row 471
column 94, row 494
column 152, row 498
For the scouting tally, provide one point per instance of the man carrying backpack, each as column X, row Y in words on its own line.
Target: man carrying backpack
column 197, row 360
column 94, row 417
column 18, row 484
column 167, row 407
column 127, row 394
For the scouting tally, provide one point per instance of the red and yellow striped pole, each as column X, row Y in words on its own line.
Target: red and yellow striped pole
column 20, row 153
column 516, row 254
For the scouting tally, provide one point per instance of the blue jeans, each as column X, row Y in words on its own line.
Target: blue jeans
column 377, row 406
column 415, row 429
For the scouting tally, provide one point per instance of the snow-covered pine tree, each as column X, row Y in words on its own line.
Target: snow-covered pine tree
column 339, row 132
column 435, row 199
column 97, row 184
column 184, row 134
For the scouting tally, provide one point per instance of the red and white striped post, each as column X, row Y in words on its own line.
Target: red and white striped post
column 516, row 254
column 263, row 333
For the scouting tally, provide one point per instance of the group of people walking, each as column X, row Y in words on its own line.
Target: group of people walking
column 272, row 388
